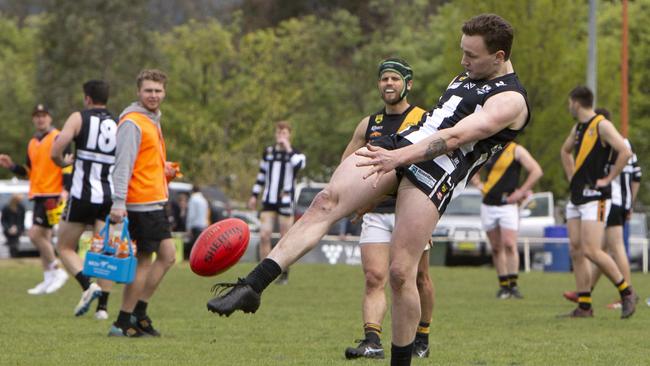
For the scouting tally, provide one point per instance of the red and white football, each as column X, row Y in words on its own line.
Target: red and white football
column 219, row 247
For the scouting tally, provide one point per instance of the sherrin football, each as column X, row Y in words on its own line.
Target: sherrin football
column 219, row 247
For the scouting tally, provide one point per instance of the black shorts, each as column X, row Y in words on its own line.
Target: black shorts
column 84, row 212
column 41, row 206
column 428, row 176
column 148, row 229
column 617, row 216
column 283, row 209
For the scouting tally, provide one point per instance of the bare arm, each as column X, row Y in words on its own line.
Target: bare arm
column 70, row 130
column 534, row 173
column 358, row 139
column 476, row 180
column 504, row 110
column 610, row 135
column 566, row 154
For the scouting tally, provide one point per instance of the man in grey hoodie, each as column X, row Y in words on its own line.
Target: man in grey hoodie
column 140, row 192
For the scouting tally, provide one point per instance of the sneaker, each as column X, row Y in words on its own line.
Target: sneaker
column 59, row 277
column 628, row 304
column 365, row 349
column 101, row 315
column 578, row 313
column 41, row 287
column 87, row 297
column 420, row 349
column 283, row 279
column 503, row 293
column 130, row 331
column 514, row 293
column 571, row 296
column 145, row 326
column 240, row 297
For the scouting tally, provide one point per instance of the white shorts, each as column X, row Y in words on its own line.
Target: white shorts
column 590, row 211
column 377, row 228
column 505, row 216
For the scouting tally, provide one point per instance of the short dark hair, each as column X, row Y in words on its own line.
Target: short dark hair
column 583, row 96
column 283, row 125
column 97, row 90
column 497, row 33
column 152, row 75
column 604, row 112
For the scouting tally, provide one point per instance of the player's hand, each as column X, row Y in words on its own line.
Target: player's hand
column 117, row 215
column 64, row 195
column 68, row 159
column 602, row 183
column 252, row 203
column 518, row 195
column 380, row 161
column 5, row 161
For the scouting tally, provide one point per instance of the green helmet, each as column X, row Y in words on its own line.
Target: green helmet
column 400, row 67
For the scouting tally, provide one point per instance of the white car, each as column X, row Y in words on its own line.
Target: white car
column 461, row 231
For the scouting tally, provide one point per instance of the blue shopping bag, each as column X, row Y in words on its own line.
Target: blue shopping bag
column 106, row 264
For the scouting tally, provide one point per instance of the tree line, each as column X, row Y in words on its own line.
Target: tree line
column 230, row 80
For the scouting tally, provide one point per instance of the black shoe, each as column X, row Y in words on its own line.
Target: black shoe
column 240, row 297
column 503, row 293
column 420, row 349
column 145, row 326
column 628, row 305
column 130, row 330
column 365, row 349
column 514, row 293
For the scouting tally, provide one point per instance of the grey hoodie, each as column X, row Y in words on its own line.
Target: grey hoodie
column 129, row 137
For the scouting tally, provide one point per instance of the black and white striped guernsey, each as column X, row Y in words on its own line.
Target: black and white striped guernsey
column 277, row 175
column 94, row 157
column 622, row 185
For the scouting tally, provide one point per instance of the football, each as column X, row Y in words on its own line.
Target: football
column 219, row 247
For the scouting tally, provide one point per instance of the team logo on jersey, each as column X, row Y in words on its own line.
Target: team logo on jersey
column 375, row 134
column 454, row 85
column 483, row 90
column 379, row 118
column 499, row 83
column 462, row 78
column 469, row 85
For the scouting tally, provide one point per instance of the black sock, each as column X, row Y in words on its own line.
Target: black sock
column 372, row 332
column 422, row 333
column 140, row 310
column 584, row 300
column 124, row 318
column 102, row 302
column 401, row 356
column 83, row 280
column 512, row 278
column 262, row 275
column 623, row 288
column 503, row 281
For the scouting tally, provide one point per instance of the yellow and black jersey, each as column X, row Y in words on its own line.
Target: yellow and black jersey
column 382, row 124
column 591, row 158
column 502, row 176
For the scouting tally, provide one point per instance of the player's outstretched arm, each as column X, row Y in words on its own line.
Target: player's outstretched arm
column 70, row 129
column 504, row 110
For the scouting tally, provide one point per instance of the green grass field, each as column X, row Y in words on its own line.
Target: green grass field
column 312, row 320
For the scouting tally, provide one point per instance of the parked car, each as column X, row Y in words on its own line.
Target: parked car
column 461, row 224
column 7, row 189
column 219, row 203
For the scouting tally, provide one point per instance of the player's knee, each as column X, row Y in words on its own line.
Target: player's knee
column 398, row 277
column 375, row 279
column 323, row 203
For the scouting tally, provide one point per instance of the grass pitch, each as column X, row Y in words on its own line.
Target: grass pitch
column 312, row 320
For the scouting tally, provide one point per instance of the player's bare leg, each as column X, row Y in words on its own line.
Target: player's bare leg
column 499, row 261
column 284, row 222
column 415, row 218
column 346, row 192
column 509, row 241
column 267, row 218
column 427, row 296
